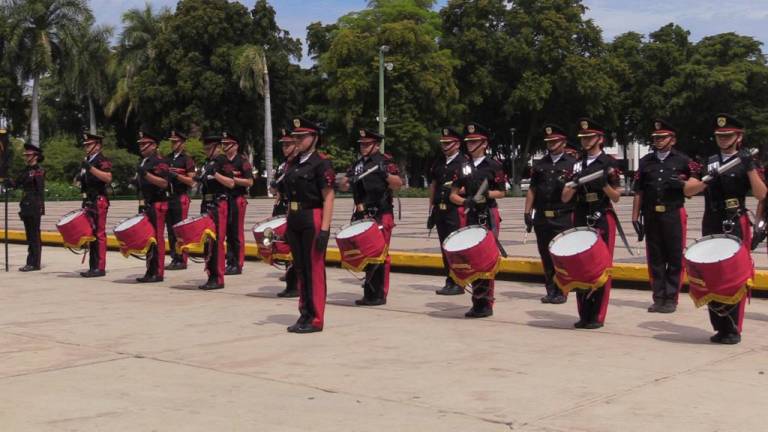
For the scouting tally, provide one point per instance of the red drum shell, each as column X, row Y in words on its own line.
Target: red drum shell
column 135, row 235
column 192, row 233
column 76, row 229
column 719, row 269
column 582, row 266
column 365, row 246
column 475, row 261
column 278, row 250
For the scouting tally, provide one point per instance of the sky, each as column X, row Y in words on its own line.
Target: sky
column 700, row 17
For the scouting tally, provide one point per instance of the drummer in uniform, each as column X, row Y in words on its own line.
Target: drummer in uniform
column 152, row 177
column 443, row 213
column 544, row 209
column 309, row 183
column 215, row 179
column 593, row 208
column 32, row 205
column 243, row 176
column 372, row 196
column 95, row 176
column 658, row 213
column 280, row 208
column 181, row 177
column 725, row 210
column 483, row 211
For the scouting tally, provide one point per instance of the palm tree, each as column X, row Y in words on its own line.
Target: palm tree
column 250, row 68
column 85, row 67
column 38, row 31
column 134, row 49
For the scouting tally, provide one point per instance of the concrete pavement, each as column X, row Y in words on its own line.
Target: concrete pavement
column 111, row 355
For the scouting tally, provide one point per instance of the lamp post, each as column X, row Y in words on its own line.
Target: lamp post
column 382, row 50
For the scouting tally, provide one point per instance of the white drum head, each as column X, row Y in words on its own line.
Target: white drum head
column 573, row 242
column 67, row 218
column 712, row 249
column 126, row 224
column 272, row 223
column 353, row 229
column 464, row 239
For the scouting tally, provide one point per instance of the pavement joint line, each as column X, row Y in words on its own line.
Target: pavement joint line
column 62, row 368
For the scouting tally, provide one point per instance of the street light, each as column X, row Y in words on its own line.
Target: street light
column 382, row 50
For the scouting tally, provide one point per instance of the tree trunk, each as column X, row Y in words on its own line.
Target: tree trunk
column 35, row 120
column 91, row 116
column 267, row 125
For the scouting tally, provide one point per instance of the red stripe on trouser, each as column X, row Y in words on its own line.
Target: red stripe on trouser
column 241, row 203
column 184, row 201
column 684, row 229
column 157, row 259
column 746, row 235
column 611, row 220
column 388, row 223
column 319, row 288
column 215, row 264
column 98, row 248
column 484, row 289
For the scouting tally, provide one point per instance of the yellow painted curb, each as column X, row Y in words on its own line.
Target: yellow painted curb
column 417, row 260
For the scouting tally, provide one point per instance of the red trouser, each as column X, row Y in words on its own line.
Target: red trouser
column 377, row 275
column 156, row 258
column 235, row 229
column 593, row 305
column 98, row 247
column 309, row 264
column 216, row 249
column 483, row 289
column 178, row 210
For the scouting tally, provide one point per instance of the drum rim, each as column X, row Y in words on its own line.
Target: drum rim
column 127, row 219
column 462, row 229
column 353, row 223
column 570, row 230
column 191, row 218
column 710, row 237
column 69, row 213
column 269, row 219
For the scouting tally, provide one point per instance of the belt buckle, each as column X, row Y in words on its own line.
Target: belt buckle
column 731, row 203
column 442, row 206
column 591, row 197
column 294, row 206
column 660, row 208
column 549, row 213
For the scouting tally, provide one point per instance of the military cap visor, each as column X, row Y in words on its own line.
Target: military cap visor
column 726, row 124
column 589, row 128
column 32, row 148
column 302, row 126
column 176, row 135
column 91, row 139
column 449, row 139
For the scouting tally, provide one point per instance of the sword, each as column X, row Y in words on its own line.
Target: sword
column 586, row 179
column 724, row 168
column 621, row 234
column 370, row 171
column 480, row 193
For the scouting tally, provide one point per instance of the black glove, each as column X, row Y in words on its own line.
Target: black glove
column 322, row 240
column 142, row 208
column 431, row 218
column 528, row 222
column 713, row 176
column 674, row 182
column 639, row 229
column 746, row 160
column 273, row 184
column 86, row 165
column 173, row 175
column 383, row 169
column 758, row 234
column 470, row 204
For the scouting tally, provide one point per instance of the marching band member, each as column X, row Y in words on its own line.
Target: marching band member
column 243, row 177
column 483, row 211
column 280, row 208
column 309, row 183
column 181, row 178
column 443, row 213
column 594, row 208
column 152, row 177
column 32, row 204
column 95, row 176
column 373, row 199
column 552, row 216
column 725, row 211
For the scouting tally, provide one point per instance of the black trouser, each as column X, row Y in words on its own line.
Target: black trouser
column 546, row 229
column 447, row 222
column 664, row 243
column 34, row 244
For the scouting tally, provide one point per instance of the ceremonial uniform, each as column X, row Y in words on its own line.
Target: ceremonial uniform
column 180, row 163
column 155, row 206
column 444, row 214
column 550, row 215
column 593, row 208
column 238, row 203
column 305, row 181
column 280, row 208
column 96, row 202
column 31, row 207
column 658, row 184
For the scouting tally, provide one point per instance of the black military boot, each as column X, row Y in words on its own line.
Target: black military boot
column 657, row 306
column 148, row 278
column 450, row 288
column 29, row 268
column 212, row 284
column 92, row 273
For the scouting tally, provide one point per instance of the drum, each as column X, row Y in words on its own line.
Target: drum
column 135, row 235
column 193, row 232
column 76, row 229
column 472, row 254
column 276, row 248
column 361, row 243
column 719, row 268
column 581, row 259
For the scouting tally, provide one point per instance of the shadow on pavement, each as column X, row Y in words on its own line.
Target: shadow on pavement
column 631, row 303
column 549, row 319
column 677, row 333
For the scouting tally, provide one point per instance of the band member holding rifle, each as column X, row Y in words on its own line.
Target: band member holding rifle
column 181, row 178
column 593, row 208
column 288, row 144
column 32, row 205
column 95, row 176
column 544, row 209
column 309, row 183
column 725, row 210
column 481, row 183
column 372, row 196
column 243, row 177
column 443, row 213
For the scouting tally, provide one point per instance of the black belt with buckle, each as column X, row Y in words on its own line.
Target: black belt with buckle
column 591, row 197
column 732, row 204
column 555, row 212
column 663, row 208
column 296, row 205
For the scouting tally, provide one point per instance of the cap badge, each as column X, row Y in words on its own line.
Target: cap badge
column 548, row 130
column 362, row 133
column 445, row 132
column 657, row 125
column 584, row 124
column 721, row 121
column 471, row 128
column 296, row 122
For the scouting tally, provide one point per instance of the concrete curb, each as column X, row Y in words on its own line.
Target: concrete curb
column 418, row 260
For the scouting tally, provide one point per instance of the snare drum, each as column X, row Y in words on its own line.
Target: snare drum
column 278, row 248
column 76, row 229
column 361, row 243
column 135, row 235
column 581, row 259
column 193, row 232
column 719, row 268
column 472, row 254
